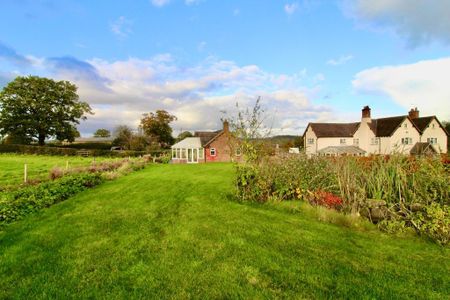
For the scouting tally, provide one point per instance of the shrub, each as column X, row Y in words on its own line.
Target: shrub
column 17, row 204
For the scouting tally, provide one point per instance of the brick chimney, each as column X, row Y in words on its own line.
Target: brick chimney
column 226, row 126
column 365, row 116
column 413, row 113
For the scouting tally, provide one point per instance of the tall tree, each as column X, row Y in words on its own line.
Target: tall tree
column 38, row 108
column 156, row 125
column 123, row 136
column 102, row 133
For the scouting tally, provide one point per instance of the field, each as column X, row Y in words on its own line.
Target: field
column 175, row 231
column 12, row 166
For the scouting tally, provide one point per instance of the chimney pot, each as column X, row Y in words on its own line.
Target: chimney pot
column 366, row 112
column 226, row 126
column 413, row 113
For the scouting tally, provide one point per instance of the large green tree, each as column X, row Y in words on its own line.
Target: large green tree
column 157, row 125
column 38, row 108
column 102, row 133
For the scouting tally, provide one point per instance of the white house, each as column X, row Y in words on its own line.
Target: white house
column 408, row 134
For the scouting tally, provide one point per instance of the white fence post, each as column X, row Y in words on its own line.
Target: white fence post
column 25, row 173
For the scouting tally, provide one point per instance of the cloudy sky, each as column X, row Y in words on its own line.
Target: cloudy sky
column 309, row 60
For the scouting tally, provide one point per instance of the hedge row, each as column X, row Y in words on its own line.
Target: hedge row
column 17, row 204
column 44, row 150
column 97, row 146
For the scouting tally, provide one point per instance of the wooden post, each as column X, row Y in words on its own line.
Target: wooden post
column 25, row 173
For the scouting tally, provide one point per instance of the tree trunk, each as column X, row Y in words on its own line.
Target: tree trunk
column 41, row 139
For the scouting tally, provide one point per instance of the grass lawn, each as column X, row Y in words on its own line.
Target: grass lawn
column 173, row 231
column 12, row 166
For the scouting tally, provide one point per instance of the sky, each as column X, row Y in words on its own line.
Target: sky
column 309, row 61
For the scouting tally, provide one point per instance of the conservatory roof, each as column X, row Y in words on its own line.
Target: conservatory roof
column 341, row 150
column 190, row 142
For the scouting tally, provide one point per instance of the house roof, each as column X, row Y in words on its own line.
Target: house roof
column 207, row 136
column 381, row 127
column 334, row 129
column 341, row 150
column 189, row 142
column 423, row 122
column 422, row 148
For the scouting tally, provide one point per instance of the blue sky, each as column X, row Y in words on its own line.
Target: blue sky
column 309, row 60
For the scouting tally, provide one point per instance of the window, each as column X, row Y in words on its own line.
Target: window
column 212, row 151
column 432, row 125
column 405, row 125
column 178, row 153
column 238, row 151
column 374, row 141
column 200, row 153
column 310, row 141
column 406, row 141
column 183, row 153
column 356, row 142
column 432, row 141
column 342, row 141
column 174, row 153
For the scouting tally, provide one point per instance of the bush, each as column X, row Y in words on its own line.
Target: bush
column 414, row 190
column 17, row 204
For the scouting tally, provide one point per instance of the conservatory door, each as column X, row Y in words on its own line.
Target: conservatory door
column 192, row 156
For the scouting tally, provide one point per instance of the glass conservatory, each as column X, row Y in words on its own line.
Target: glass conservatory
column 189, row 150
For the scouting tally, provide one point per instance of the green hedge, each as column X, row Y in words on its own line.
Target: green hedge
column 45, row 150
column 97, row 146
column 17, row 204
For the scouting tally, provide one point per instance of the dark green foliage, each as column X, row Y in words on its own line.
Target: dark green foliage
column 157, row 126
column 102, row 133
column 90, row 146
column 39, row 108
column 183, row 135
column 44, row 150
column 17, row 204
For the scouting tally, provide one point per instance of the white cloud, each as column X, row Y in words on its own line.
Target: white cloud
column 340, row 61
column 419, row 21
column 291, row 8
column 160, row 3
column 121, row 27
column 121, row 91
column 423, row 84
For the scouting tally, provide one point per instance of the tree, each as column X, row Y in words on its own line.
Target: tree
column 184, row 135
column 123, row 136
column 102, row 133
column 156, row 125
column 37, row 108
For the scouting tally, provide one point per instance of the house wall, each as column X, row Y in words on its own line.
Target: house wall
column 364, row 134
column 434, row 130
column 225, row 150
column 310, row 149
column 395, row 143
column 324, row 142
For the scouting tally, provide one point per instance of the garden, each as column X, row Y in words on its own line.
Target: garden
column 397, row 192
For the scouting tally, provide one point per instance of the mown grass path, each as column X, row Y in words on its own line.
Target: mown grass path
column 173, row 231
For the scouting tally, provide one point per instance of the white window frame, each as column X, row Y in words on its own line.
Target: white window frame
column 343, row 141
column 407, row 141
column 405, row 125
column 356, row 142
column 200, row 153
column 432, row 141
column 212, row 152
column 238, row 151
column 310, row 141
column 374, row 141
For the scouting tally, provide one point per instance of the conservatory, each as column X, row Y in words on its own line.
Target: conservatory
column 189, row 150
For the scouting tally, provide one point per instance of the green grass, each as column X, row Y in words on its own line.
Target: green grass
column 174, row 231
column 12, row 166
